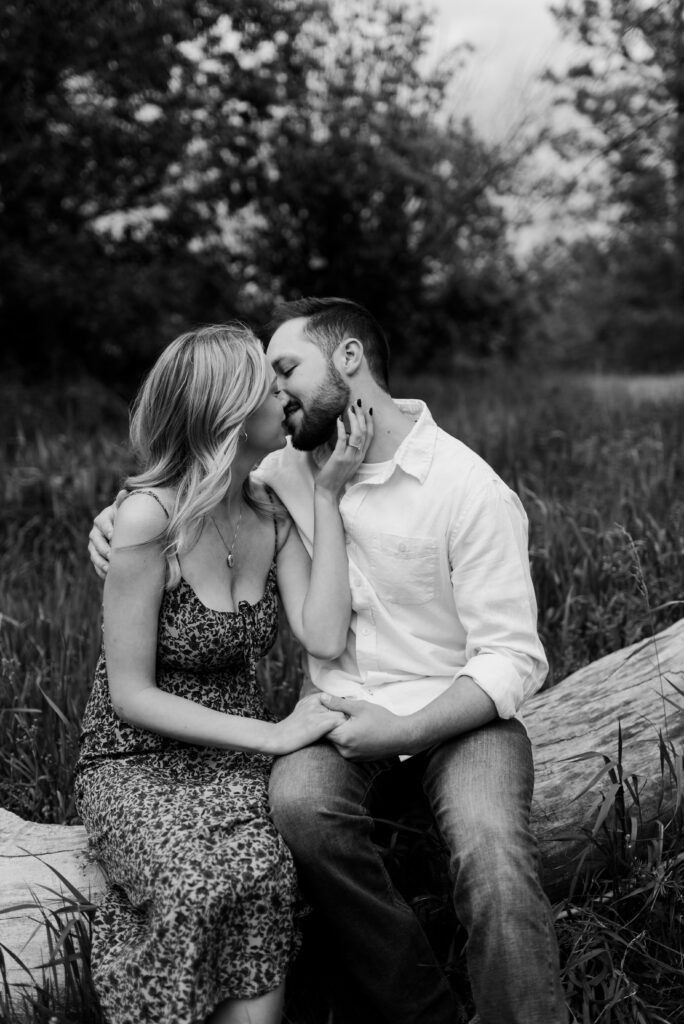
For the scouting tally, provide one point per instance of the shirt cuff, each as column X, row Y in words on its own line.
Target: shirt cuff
column 494, row 674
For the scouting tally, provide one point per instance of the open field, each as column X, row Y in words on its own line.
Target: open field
column 598, row 462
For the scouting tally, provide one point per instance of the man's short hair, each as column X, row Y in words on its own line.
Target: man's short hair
column 330, row 321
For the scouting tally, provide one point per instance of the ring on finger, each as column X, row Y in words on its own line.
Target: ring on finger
column 351, row 445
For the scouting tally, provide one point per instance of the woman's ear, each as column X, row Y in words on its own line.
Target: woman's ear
column 348, row 356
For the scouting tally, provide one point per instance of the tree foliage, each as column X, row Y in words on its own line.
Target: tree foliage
column 165, row 162
column 627, row 83
column 380, row 196
column 129, row 129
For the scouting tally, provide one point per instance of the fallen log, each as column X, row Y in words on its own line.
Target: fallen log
column 632, row 690
column 632, row 699
column 46, row 878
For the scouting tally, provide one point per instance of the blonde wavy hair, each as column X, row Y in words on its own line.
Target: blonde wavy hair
column 186, row 423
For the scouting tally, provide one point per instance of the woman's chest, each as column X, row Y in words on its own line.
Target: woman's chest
column 196, row 638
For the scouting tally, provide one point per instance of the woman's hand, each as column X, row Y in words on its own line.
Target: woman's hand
column 348, row 453
column 309, row 721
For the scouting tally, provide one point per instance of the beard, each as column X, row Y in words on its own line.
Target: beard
column 319, row 418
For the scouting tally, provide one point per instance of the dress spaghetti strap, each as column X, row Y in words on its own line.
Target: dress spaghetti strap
column 156, row 498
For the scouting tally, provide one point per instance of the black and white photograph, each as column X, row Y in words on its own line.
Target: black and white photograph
column 342, row 531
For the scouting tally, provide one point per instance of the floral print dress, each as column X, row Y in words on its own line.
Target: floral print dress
column 202, row 887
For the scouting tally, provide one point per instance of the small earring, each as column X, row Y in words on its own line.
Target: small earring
column 244, row 435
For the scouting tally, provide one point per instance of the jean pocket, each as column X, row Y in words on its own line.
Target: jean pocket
column 404, row 569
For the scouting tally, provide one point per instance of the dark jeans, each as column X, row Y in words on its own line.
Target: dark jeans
column 479, row 786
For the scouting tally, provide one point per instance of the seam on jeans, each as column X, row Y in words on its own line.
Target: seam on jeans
column 551, row 969
column 379, row 770
column 554, row 997
column 559, row 1009
column 392, row 892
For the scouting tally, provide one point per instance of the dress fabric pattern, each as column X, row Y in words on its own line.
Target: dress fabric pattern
column 202, row 887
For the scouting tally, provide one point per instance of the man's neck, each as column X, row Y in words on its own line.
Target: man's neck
column 390, row 427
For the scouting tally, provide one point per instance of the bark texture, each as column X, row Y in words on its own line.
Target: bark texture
column 633, row 690
column 32, row 857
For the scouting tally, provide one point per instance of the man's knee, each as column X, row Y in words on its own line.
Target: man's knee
column 290, row 808
column 300, row 794
column 313, row 810
column 490, row 853
column 293, row 812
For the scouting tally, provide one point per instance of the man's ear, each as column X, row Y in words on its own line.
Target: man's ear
column 348, row 356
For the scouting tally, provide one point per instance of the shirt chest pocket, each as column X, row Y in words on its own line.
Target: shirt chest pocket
column 404, row 569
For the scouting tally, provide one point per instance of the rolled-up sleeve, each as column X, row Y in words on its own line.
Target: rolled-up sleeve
column 494, row 596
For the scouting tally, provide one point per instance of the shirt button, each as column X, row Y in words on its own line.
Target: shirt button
column 365, row 631
column 402, row 547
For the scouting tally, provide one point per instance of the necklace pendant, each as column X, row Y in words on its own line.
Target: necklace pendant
column 230, row 561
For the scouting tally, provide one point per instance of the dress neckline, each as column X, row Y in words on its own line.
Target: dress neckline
column 234, row 611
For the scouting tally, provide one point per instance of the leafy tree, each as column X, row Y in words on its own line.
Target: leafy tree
column 129, row 129
column 378, row 195
column 628, row 83
column 165, row 162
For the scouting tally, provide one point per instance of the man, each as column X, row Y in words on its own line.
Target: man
column 442, row 651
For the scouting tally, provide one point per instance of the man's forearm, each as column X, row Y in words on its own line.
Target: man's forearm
column 464, row 706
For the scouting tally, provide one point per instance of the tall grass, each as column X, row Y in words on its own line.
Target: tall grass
column 621, row 931
column 63, row 990
column 599, row 466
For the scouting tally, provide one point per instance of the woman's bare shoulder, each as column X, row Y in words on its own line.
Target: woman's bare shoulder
column 142, row 516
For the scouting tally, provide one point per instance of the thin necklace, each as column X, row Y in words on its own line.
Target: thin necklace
column 230, row 561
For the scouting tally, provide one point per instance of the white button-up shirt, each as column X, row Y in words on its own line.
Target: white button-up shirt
column 438, row 569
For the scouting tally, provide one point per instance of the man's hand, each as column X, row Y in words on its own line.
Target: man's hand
column 101, row 534
column 369, row 733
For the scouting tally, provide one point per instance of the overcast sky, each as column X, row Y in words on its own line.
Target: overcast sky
column 514, row 40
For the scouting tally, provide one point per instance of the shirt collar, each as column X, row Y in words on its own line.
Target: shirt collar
column 414, row 454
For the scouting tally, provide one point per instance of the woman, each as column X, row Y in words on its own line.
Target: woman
column 176, row 743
